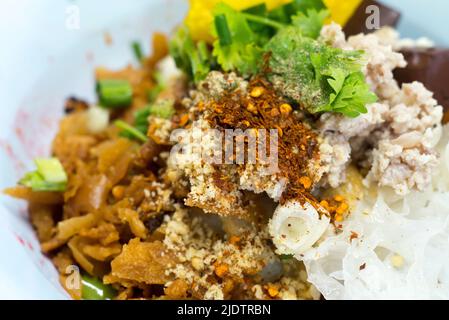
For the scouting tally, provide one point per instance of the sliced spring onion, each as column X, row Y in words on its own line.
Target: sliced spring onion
column 223, row 32
column 130, row 131
column 263, row 20
column 163, row 108
column 114, row 93
column 141, row 119
column 137, row 49
column 36, row 182
column 93, row 289
column 51, row 170
column 203, row 51
column 49, row 176
column 158, row 88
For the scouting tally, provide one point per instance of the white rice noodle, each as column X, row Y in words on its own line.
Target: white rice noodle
column 401, row 250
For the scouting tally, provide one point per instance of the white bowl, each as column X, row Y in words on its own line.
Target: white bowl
column 44, row 63
column 43, row 60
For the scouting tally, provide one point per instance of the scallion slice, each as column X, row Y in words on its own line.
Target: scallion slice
column 137, row 49
column 158, row 87
column 223, row 32
column 51, row 170
column 114, row 93
column 49, row 176
column 131, row 131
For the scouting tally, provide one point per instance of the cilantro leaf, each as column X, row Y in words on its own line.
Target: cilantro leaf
column 241, row 37
column 351, row 96
column 286, row 12
column 310, row 23
column 236, row 47
column 318, row 77
column 336, row 81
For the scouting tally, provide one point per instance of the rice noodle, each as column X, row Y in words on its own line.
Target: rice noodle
column 390, row 247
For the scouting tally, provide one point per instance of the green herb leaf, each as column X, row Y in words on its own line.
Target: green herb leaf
column 137, row 49
column 240, row 52
column 310, row 23
column 158, row 88
column 193, row 59
column 221, row 25
column 141, row 119
column 318, row 77
column 93, row 289
column 200, row 61
column 49, row 176
column 130, row 131
column 241, row 37
column 285, row 13
column 163, row 108
column 114, row 93
column 264, row 32
column 351, row 96
column 51, row 170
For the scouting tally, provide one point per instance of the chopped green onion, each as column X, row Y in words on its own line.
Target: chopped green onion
column 131, row 131
column 140, row 124
column 185, row 53
column 49, row 176
column 162, row 109
column 158, row 88
column 137, row 49
column 203, row 51
column 223, row 32
column 141, row 119
column 154, row 92
column 114, row 93
column 36, row 182
column 51, row 170
column 263, row 20
column 93, row 289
